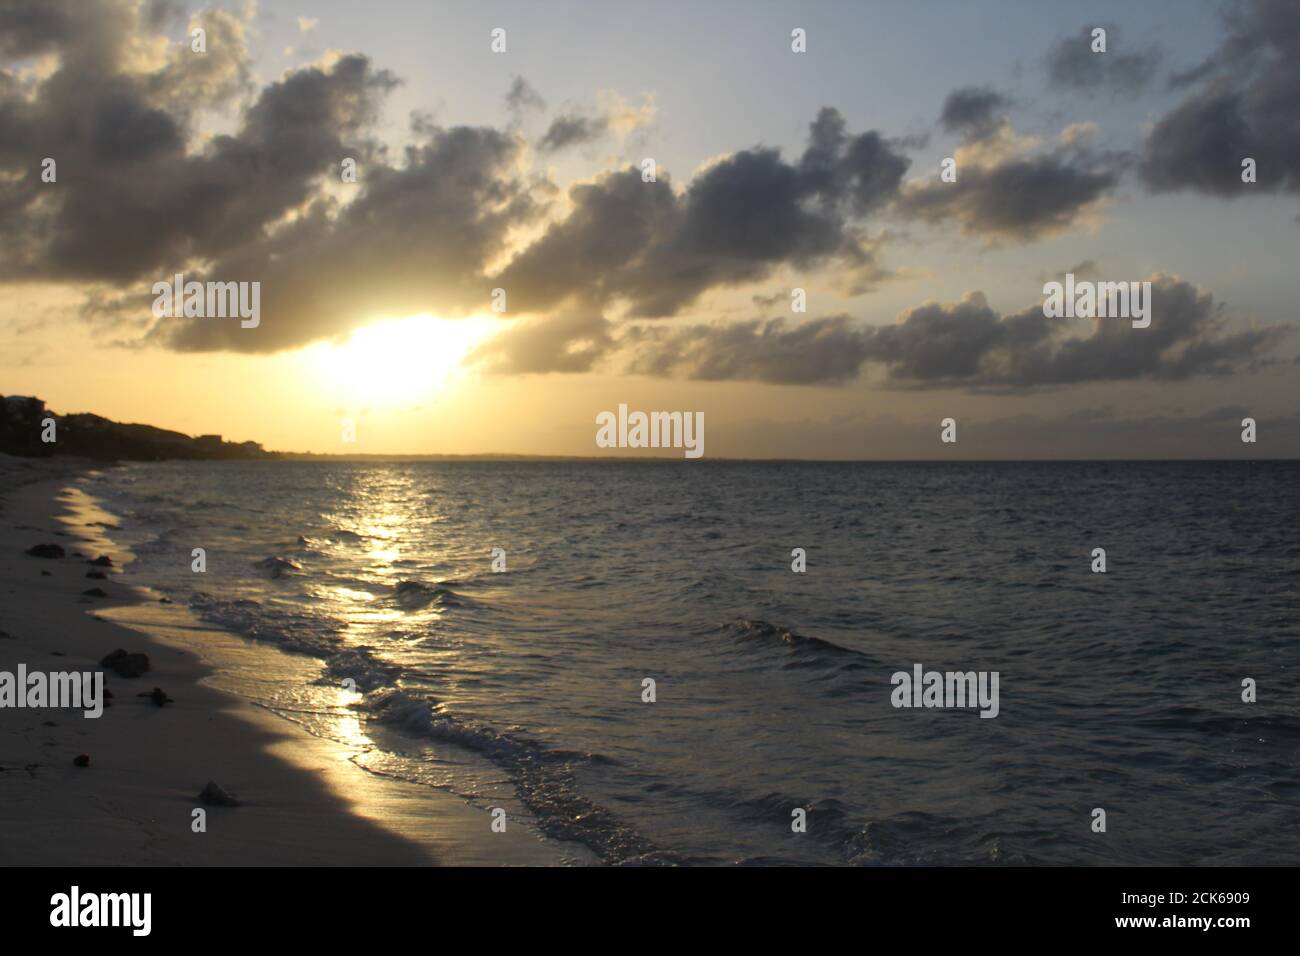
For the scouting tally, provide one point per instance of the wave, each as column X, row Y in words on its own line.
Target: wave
column 800, row 649
column 344, row 536
column 543, row 777
column 278, row 567
column 416, row 595
column 360, row 666
column 902, row 839
column 300, row 633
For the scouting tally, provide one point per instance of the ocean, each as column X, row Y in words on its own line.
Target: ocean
column 772, row 689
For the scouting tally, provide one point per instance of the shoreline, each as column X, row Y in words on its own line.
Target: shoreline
column 303, row 799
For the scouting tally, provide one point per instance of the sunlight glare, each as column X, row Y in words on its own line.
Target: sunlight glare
column 399, row 359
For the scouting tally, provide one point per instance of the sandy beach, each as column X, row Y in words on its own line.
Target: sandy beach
column 302, row 799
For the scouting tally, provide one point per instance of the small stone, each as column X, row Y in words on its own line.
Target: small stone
column 124, row 664
column 46, row 551
column 216, row 795
column 95, row 592
column 158, row 696
column 82, row 760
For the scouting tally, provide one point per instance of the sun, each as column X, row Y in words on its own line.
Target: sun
column 399, row 359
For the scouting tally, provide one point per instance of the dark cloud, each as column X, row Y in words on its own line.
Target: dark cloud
column 521, row 96
column 572, row 130
column 951, row 343
column 614, row 221
column 132, row 199
column 973, row 112
column 1243, row 104
column 140, row 196
column 966, row 345
column 1190, row 77
column 160, row 13
column 33, row 27
column 825, row 351
column 998, row 194
column 1072, row 65
column 137, row 198
column 910, row 141
column 738, row 220
column 656, row 251
column 861, row 172
column 1014, row 200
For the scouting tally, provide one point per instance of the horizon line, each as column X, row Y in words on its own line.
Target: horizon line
column 513, row 456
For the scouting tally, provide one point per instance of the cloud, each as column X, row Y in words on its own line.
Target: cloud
column 950, row 343
column 1076, row 134
column 1072, row 64
column 437, row 232
column 1004, row 191
column 262, row 203
column 572, row 130
column 656, row 250
column 144, row 193
column 33, row 27
column 1014, row 200
column 136, row 196
column 522, row 96
column 973, row 112
column 140, row 196
column 1243, row 104
column 966, row 345
column 623, row 117
column 827, row 351
column 767, row 301
column 418, row 239
column 570, row 341
column 614, row 115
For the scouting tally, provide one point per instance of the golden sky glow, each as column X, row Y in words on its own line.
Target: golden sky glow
column 476, row 170
column 397, row 361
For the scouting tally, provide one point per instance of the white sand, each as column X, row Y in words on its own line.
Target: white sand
column 303, row 802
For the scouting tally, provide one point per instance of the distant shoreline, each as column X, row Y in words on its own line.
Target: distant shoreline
column 491, row 456
column 75, row 462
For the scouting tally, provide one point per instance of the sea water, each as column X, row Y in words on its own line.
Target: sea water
column 772, row 688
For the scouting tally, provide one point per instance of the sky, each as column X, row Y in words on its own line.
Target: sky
column 523, row 170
